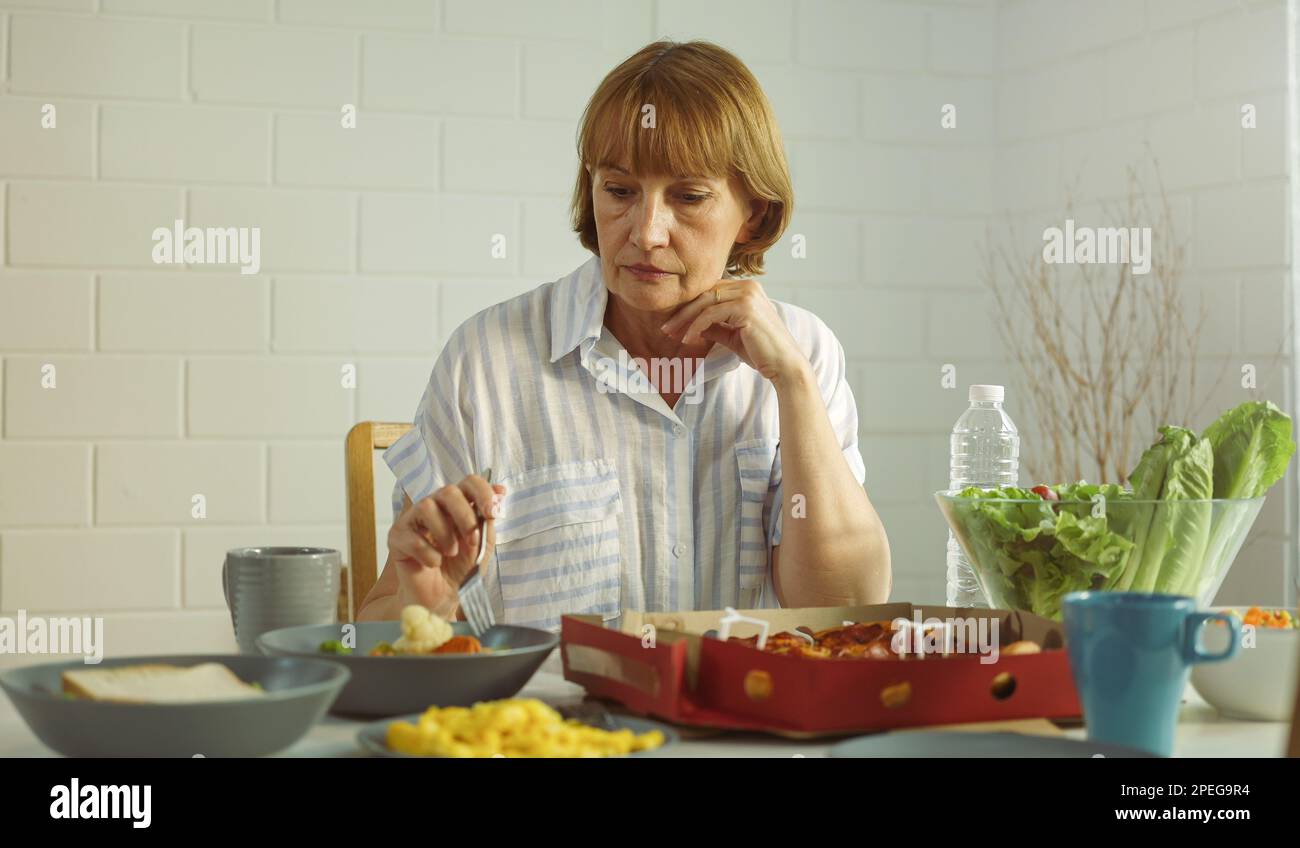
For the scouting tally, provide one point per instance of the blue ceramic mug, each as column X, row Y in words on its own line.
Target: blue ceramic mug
column 1131, row 654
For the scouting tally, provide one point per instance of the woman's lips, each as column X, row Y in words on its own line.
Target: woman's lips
column 644, row 272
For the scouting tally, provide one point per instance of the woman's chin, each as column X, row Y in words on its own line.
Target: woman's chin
column 650, row 296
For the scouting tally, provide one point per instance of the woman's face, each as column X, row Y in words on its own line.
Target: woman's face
column 683, row 226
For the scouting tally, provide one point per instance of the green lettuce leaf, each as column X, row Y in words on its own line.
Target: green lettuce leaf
column 1190, row 478
column 1147, row 478
column 1047, row 584
column 1091, row 542
column 1030, row 554
column 1252, row 448
column 1183, row 466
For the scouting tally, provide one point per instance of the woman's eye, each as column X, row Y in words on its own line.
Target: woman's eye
column 617, row 191
column 695, row 198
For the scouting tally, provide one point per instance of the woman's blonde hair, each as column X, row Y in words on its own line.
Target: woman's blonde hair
column 710, row 118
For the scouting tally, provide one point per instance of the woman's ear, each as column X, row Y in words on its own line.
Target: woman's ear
column 758, row 209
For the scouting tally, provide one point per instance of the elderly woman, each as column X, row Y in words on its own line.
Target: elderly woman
column 661, row 434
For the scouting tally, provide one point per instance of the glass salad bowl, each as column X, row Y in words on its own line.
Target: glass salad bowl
column 1028, row 554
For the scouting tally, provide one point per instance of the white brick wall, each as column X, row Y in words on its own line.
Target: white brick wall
column 87, row 225
column 183, row 144
column 314, row 314
column 34, row 152
column 421, row 74
column 285, row 66
column 157, row 482
column 429, row 233
column 99, row 395
column 306, row 482
column 100, row 569
column 300, row 230
column 46, row 310
column 390, row 151
column 262, row 397
column 69, row 55
column 176, row 381
column 159, row 311
column 44, row 484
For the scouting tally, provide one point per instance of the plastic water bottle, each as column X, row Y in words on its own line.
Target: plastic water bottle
column 985, row 452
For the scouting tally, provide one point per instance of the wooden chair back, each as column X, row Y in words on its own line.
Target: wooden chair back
column 363, row 550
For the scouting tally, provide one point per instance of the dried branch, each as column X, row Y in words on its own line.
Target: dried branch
column 1107, row 355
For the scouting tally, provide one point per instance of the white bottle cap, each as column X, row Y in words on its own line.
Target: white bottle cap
column 986, row 393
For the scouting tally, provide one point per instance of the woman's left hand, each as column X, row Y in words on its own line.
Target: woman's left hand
column 739, row 315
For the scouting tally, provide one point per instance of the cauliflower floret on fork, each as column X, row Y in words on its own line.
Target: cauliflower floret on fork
column 422, row 631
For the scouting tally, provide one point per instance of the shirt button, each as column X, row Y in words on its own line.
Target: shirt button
column 679, row 430
column 679, row 549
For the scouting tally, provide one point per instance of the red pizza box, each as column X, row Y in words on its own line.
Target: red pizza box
column 662, row 664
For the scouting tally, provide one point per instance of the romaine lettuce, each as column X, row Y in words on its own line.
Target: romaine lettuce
column 1252, row 449
column 1187, row 473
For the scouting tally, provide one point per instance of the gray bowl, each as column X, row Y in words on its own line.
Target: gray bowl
column 298, row 692
column 373, row 738
column 392, row 686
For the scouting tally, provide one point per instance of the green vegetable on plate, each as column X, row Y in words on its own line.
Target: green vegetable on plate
column 334, row 646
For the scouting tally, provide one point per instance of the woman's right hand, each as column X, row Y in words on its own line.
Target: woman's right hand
column 433, row 543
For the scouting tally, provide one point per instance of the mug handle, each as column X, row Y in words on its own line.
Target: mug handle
column 225, row 588
column 1192, row 652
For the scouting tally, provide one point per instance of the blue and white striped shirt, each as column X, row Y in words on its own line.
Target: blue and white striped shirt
column 614, row 501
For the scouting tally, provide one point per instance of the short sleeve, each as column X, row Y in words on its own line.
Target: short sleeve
column 436, row 450
column 827, row 358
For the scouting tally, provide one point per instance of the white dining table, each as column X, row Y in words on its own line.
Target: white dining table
column 1202, row 732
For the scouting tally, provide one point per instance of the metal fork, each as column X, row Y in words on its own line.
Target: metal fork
column 473, row 597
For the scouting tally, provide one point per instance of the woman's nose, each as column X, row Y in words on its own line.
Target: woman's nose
column 650, row 224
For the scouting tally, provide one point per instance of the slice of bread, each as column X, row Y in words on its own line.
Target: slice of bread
column 159, row 684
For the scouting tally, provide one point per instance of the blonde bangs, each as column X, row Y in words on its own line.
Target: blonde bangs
column 686, row 110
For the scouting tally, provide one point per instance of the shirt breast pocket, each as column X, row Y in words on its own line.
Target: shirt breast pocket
column 755, row 461
column 557, row 545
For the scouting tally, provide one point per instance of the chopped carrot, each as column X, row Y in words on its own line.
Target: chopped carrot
column 1276, row 618
column 461, row 645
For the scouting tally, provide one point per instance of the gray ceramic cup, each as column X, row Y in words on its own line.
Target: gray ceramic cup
column 270, row 588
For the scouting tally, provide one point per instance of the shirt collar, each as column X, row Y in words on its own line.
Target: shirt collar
column 578, row 309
